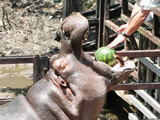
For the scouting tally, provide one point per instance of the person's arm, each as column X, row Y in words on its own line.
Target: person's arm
column 136, row 8
column 137, row 18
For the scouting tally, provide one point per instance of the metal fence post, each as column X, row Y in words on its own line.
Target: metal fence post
column 40, row 67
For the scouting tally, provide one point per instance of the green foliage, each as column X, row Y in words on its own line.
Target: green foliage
column 88, row 4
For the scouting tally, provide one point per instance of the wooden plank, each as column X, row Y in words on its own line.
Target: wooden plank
column 123, row 95
column 131, row 116
column 111, row 25
column 152, row 102
column 157, row 11
column 142, row 108
column 151, row 65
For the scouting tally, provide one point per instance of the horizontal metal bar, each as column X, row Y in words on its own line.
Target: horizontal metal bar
column 18, row 59
column 140, row 53
column 136, row 53
column 136, row 86
column 131, row 53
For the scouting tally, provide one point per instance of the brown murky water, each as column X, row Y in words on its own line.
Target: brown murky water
column 15, row 79
column 16, row 76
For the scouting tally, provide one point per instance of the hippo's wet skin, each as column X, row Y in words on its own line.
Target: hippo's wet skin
column 88, row 79
column 18, row 109
column 74, row 88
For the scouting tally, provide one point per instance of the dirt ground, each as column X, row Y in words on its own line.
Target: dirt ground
column 28, row 28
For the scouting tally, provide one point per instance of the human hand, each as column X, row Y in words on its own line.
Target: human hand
column 122, row 28
column 119, row 39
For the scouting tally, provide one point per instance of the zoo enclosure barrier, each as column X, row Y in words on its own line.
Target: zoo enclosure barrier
column 147, row 75
column 149, row 66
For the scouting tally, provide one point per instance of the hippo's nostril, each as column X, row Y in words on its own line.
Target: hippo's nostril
column 67, row 34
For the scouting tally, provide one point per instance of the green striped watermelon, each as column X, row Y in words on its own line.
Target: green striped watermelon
column 106, row 55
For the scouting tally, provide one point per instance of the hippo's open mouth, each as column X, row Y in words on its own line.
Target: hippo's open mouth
column 128, row 66
column 63, row 87
column 55, row 78
column 58, row 81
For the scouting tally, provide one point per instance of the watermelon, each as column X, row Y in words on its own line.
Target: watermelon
column 106, row 55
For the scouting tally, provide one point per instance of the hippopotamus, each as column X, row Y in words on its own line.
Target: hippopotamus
column 75, row 86
column 89, row 80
